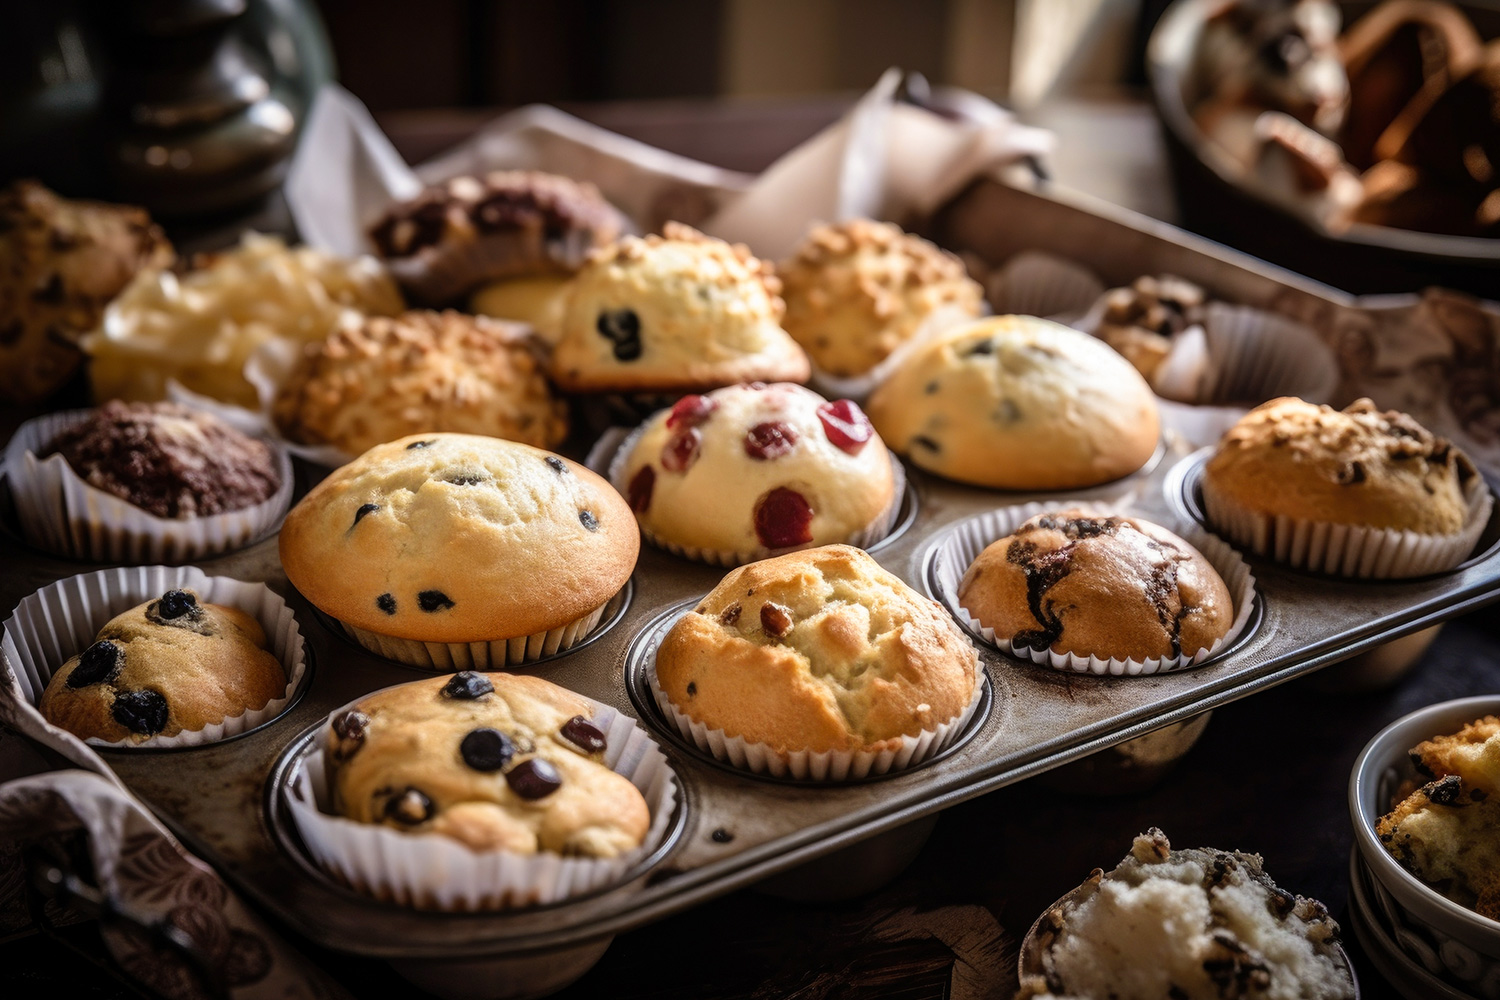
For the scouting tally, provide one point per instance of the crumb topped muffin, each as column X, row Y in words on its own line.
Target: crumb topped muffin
column 821, row 650
column 385, row 378
column 679, row 311
column 858, row 290
column 736, row 472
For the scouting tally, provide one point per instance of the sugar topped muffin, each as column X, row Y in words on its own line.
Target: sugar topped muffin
column 858, row 290
column 817, row 650
column 457, row 538
column 756, row 467
column 680, row 311
column 494, row 761
column 170, row 460
column 162, row 668
column 1016, row 402
column 385, row 378
column 1196, row 924
column 1098, row 585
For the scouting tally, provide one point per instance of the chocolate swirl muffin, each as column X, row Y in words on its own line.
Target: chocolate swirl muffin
column 169, row 460
column 1090, row 585
column 168, row 666
column 494, row 761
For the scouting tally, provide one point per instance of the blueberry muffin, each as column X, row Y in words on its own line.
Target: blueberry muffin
column 676, row 312
column 1444, row 831
column 169, row 666
column 169, row 460
column 1358, row 466
column 456, row 538
column 61, row 262
column 858, row 290
column 494, row 761
column 1019, row 403
column 756, row 467
column 1096, row 585
column 385, row 378
column 467, row 232
column 1196, row 924
column 821, row 650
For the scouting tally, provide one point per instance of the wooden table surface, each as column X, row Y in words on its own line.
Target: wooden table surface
column 1270, row 775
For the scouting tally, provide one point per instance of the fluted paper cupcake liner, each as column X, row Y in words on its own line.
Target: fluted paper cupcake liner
column 1033, row 283
column 429, row 871
column 859, row 387
column 965, row 540
column 612, row 452
column 1346, row 549
column 895, row 754
column 59, row 511
column 492, row 654
column 61, row 620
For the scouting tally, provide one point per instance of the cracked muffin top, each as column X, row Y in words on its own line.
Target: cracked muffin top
column 1098, row 585
column 1357, row 466
column 858, row 290
column 459, row 538
column 817, row 650
column 674, row 312
column 1018, row 403
column 495, row 761
column 168, row 666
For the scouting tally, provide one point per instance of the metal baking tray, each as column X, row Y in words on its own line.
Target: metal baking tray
column 732, row 828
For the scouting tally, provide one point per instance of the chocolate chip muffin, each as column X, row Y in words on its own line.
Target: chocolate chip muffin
column 459, row 539
column 858, row 290
column 820, row 650
column 1019, row 403
column 466, row 232
column 169, row 460
column 61, row 262
column 1098, row 585
column 676, row 312
column 494, row 761
column 1140, row 321
column 1358, row 466
column 424, row 371
column 169, row 666
column 740, row 471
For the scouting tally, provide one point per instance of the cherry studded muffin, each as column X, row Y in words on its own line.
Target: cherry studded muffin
column 1094, row 585
column 735, row 473
column 169, row 666
column 676, row 312
column 494, row 761
column 459, row 539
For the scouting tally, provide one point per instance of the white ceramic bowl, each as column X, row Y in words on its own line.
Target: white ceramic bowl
column 1449, row 940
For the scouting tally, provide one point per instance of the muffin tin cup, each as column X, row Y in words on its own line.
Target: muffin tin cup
column 1345, row 549
column 429, row 871
column 62, row 619
column 859, row 387
column 492, row 654
column 807, row 765
column 611, row 457
column 964, row 542
column 62, row 513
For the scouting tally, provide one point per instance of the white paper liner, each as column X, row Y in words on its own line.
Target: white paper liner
column 429, row 871
column 859, row 387
column 806, row 765
column 52, row 625
column 965, row 540
column 1346, row 549
column 493, row 654
column 1033, row 283
column 62, row 513
column 613, row 462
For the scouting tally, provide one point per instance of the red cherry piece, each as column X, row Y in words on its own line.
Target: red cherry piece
column 681, row 450
column 640, row 488
column 846, row 425
column 783, row 518
column 770, row 440
column 690, row 411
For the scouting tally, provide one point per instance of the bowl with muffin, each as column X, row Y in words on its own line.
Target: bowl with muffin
column 1423, row 799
